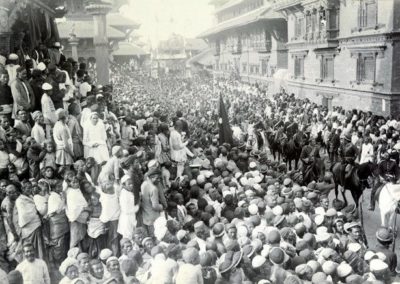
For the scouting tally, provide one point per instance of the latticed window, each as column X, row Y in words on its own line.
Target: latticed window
column 366, row 65
column 299, row 66
column 299, row 27
column 327, row 68
column 368, row 13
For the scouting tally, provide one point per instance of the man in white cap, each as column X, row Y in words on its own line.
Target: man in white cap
column 12, row 67
column 22, row 93
column 48, row 109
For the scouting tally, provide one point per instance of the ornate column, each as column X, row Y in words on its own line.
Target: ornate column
column 73, row 42
column 99, row 11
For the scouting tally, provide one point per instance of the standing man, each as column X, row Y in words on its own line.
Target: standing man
column 55, row 53
column 22, row 124
column 385, row 239
column 48, row 109
column 12, row 67
column 6, row 98
column 151, row 206
column 33, row 270
column 10, row 218
column 22, row 93
column 178, row 147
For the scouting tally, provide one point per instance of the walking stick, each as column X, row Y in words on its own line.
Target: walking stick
column 394, row 230
column 362, row 224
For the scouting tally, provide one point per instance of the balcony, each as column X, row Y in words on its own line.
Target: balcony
column 262, row 46
column 236, row 48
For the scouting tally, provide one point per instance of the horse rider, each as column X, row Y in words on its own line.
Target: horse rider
column 348, row 152
column 388, row 171
column 308, row 154
column 291, row 127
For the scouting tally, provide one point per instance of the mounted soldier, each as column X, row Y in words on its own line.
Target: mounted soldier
column 348, row 153
column 388, row 172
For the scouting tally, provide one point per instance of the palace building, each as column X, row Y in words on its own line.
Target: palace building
column 344, row 52
column 248, row 41
column 336, row 52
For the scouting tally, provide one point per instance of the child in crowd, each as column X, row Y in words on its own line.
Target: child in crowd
column 96, row 229
column 48, row 154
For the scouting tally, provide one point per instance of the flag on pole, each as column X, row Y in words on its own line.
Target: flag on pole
column 225, row 131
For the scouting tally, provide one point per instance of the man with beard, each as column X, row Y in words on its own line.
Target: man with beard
column 96, row 272
column 33, row 270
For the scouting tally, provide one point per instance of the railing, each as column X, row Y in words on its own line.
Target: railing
column 318, row 36
column 262, row 46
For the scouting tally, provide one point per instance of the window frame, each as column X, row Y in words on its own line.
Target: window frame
column 363, row 15
column 361, row 71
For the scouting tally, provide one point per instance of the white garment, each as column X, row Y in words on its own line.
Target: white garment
column 35, row 272
column 127, row 218
column 38, row 133
column 76, row 202
column 56, row 203
column 178, row 148
column 367, row 153
column 95, row 134
column 110, row 210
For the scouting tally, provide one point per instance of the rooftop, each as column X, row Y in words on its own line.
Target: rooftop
column 263, row 13
column 205, row 58
column 128, row 49
column 85, row 29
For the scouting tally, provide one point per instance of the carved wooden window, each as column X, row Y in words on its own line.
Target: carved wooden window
column 368, row 14
column 327, row 67
column 299, row 27
column 299, row 66
column 366, row 65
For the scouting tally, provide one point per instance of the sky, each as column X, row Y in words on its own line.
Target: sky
column 160, row 18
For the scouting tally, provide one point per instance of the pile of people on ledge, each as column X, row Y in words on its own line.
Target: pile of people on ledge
column 128, row 183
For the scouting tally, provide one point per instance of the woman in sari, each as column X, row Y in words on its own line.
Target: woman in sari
column 95, row 139
column 29, row 221
column 77, row 213
column 58, row 226
column 76, row 130
column 63, row 140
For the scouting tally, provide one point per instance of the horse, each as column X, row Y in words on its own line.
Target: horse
column 388, row 199
column 357, row 182
column 314, row 171
column 273, row 138
column 291, row 152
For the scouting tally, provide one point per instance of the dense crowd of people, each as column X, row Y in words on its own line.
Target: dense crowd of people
column 131, row 183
